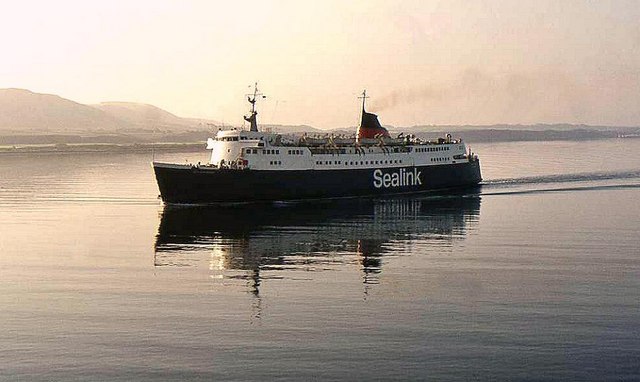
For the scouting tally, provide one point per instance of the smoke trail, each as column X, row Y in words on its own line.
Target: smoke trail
column 540, row 96
column 470, row 82
column 407, row 96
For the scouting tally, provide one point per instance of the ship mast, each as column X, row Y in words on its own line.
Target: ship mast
column 252, row 118
column 364, row 97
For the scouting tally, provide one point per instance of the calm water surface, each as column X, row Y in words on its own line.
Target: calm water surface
column 534, row 277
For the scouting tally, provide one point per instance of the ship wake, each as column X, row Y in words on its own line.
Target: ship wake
column 562, row 182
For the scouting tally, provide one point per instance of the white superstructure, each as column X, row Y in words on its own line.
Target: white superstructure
column 244, row 149
column 257, row 150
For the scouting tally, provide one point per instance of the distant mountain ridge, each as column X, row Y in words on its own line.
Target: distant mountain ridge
column 22, row 111
column 143, row 116
column 33, row 118
column 25, row 112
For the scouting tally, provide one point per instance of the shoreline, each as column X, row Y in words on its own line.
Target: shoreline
column 77, row 148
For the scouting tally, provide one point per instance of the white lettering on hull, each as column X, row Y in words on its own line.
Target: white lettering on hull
column 400, row 178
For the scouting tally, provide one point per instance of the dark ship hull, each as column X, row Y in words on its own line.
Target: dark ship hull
column 185, row 184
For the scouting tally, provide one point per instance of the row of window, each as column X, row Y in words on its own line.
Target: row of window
column 300, row 152
column 328, row 162
column 395, row 161
column 315, row 150
column 231, row 139
column 430, row 149
column 264, row 152
column 440, row 159
column 275, row 162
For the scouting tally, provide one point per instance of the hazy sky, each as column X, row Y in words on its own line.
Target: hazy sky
column 422, row 62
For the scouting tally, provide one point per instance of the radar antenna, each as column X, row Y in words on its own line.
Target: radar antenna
column 363, row 97
column 252, row 118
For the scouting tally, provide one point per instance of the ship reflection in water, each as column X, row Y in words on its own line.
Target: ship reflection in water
column 259, row 242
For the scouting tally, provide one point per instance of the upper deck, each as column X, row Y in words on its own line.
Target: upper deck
column 372, row 146
column 267, row 151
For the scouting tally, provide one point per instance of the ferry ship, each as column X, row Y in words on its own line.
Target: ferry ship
column 252, row 165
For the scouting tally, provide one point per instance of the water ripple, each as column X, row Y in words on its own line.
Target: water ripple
column 566, row 178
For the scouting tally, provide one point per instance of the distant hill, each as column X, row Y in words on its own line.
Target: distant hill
column 513, row 133
column 25, row 112
column 292, row 129
column 144, row 116
column 32, row 118
column 518, row 127
column 22, row 111
column 504, row 135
